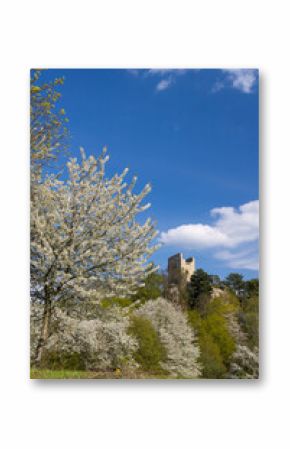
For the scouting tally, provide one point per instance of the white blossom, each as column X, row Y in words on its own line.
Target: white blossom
column 176, row 335
column 244, row 362
column 85, row 239
column 102, row 343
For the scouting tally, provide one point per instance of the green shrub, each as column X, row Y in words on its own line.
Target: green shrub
column 249, row 320
column 55, row 360
column 195, row 319
column 152, row 289
column 110, row 302
column 223, row 305
column 216, row 326
column 215, row 341
column 210, row 357
column 151, row 352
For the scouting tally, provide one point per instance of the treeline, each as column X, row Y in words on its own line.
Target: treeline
column 224, row 314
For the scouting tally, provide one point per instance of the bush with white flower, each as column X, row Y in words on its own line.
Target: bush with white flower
column 175, row 335
column 100, row 344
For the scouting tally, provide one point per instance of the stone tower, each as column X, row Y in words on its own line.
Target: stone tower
column 178, row 267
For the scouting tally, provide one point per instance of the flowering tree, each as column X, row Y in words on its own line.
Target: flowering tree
column 175, row 335
column 102, row 343
column 244, row 362
column 48, row 131
column 85, row 240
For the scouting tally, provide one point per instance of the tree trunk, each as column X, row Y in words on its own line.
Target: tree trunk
column 45, row 330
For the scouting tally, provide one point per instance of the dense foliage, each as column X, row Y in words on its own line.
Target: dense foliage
column 102, row 343
column 154, row 338
column 249, row 319
column 243, row 289
column 176, row 336
column 150, row 353
column 211, row 359
column 152, row 289
column 199, row 289
column 227, row 337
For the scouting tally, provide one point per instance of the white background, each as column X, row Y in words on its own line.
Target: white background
column 155, row 414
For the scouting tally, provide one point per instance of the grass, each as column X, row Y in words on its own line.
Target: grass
column 68, row 374
column 60, row 374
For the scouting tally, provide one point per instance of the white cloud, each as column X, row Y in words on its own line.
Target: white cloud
column 239, row 226
column 166, row 77
column 236, row 230
column 170, row 74
column 193, row 236
column 243, row 80
column 164, row 84
column 240, row 79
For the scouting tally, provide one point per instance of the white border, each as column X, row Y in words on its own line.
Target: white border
column 148, row 34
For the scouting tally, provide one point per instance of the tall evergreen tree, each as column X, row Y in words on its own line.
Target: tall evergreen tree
column 199, row 289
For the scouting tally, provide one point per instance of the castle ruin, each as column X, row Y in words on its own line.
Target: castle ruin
column 180, row 269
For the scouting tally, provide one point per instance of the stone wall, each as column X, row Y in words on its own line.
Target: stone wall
column 180, row 269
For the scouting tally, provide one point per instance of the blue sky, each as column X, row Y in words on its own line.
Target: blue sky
column 193, row 134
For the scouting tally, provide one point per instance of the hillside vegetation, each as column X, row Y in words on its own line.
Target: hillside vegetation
column 215, row 337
